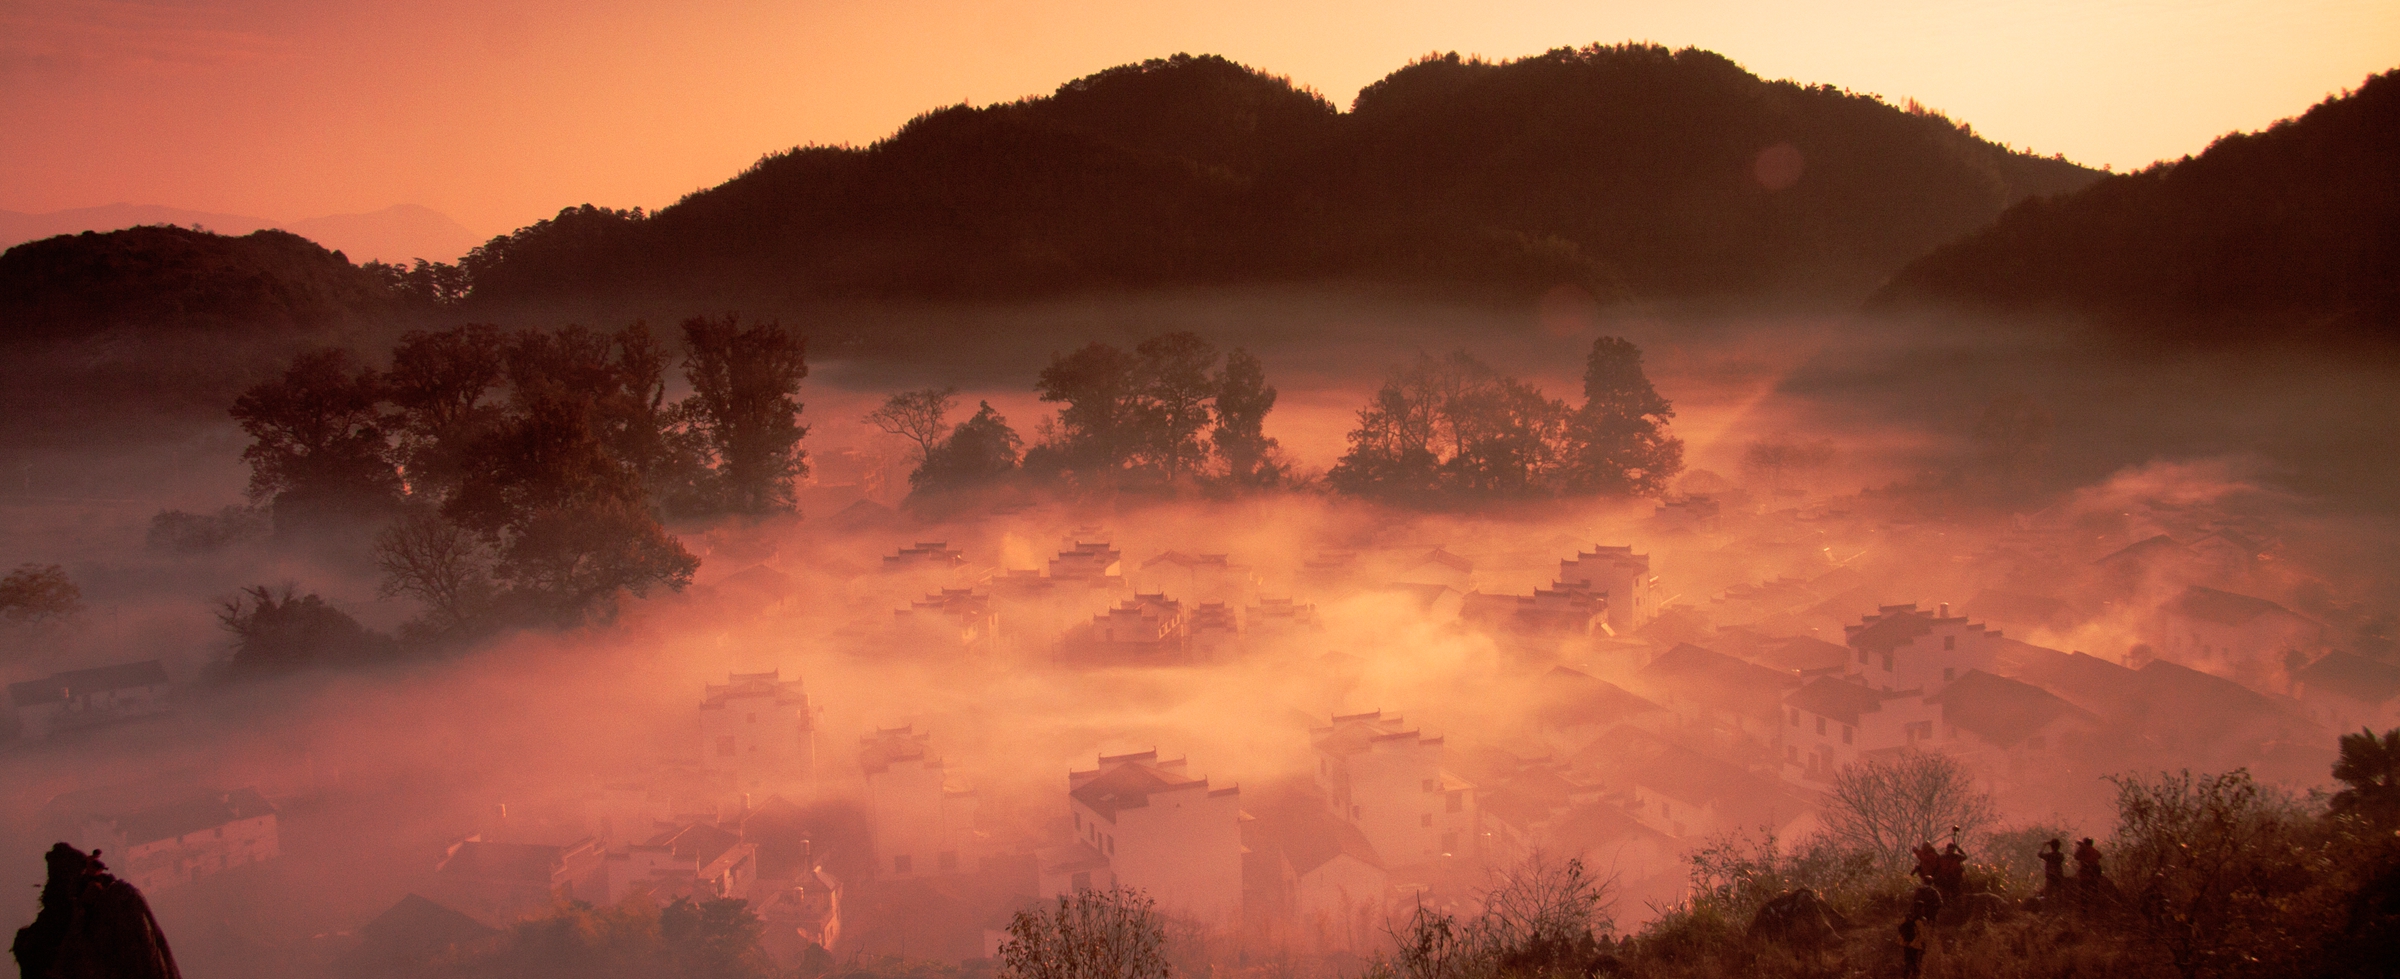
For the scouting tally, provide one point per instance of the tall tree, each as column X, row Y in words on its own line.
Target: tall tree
column 746, row 403
column 1100, row 427
column 1174, row 377
column 319, row 447
column 1621, row 446
column 980, row 451
column 441, row 386
column 1243, row 400
column 918, row 416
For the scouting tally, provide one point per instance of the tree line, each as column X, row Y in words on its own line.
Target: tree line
column 523, row 475
column 1453, row 429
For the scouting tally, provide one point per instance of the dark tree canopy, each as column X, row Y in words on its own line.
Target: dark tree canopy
column 1099, row 429
column 1620, row 445
column 981, row 451
column 1243, row 400
column 746, row 405
column 318, row 436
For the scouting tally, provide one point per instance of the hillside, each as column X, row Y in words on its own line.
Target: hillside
column 165, row 277
column 2285, row 234
column 1629, row 169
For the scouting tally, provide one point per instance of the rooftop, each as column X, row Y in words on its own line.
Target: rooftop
column 2001, row 710
column 60, row 686
column 2365, row 680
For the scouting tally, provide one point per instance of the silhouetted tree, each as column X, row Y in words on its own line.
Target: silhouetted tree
column 2369, row 770
column 439, row 563
column 39, row 593
column 1887, row 806
column 319, row 447
column 1174, row 382
column 441, row 386
column 1099, row 430
column 275, row 632
column 980, row 451
column 921, row 417
column 1454, row 428
column 1621, row 447
column 1243, row 400
column 1775, row 458
column 1111, row 934
column 745, row 403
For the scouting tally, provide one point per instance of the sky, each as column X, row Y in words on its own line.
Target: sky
column 499, row 112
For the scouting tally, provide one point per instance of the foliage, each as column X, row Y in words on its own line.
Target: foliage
column 276, row 632
column 921, row 417
column 2280, row 234
column 1453, row 429
column 716, row 938
column 2209, row 863
column 1111, row 934
column 979, row 452
column 1625, row 168
column 180, row 532
column 39, row 593
column 1540, row 917
column 745, row 405
column 424, row 283
column 2369, row 770
column 1243, row 400
column 318, row 439
column 440, row 564
column 1887, row 807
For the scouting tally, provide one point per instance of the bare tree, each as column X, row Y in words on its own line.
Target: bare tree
column 1540, row 917
column 1776, row 458
column 918, row 416
column 1886, row 807
column 438, row 563
column 1111, row 934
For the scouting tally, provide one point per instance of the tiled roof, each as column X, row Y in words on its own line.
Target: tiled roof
column 2224, row 607
column 1128, row 786
column 2000, row 710
column 1838, row 699
column 191, row 815
column 2351, row 675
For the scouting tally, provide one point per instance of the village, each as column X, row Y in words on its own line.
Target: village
column 1707, row 674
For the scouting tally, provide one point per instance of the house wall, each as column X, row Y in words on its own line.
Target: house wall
column 1397, row 795
column 762, row 743
column 1184, row 848
column 96, row 707
column 913, row 816
column 1816, row 746
column 1340, row 906
column 1930, row 661
column 158, row 864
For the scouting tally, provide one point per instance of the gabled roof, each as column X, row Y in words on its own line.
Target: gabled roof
column 1180, row 559
column 1711, row 677
column 2083, row 679
column 1890, row 628
column 1838, row 699
column 2000, row 710
column 1569, row 698
column 2351, row 675
column 1129, row 786
column 190, row 815
column 2225, row 608
column 1311, row 838
column 530, row 863
column 1443, row 557
column 408, row 935
column 2145, row 551
column 60, row 686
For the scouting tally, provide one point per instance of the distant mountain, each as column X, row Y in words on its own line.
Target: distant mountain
column 1629, row 169
column 2285, row 234
column 17, row 227
column 396, row 234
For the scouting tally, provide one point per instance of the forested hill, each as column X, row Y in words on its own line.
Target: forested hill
column 1630, row 169
column 162, row 277
column 2288, row 234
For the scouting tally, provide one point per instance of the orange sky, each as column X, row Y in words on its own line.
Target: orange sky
column 498, row 112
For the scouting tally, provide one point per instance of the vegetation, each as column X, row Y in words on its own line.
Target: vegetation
column 2281, row 234
column 1453, row 429
column 1157, row 415
column 1111, row 934
column 1627, row 167
column 275, row 632
column 1886, row 807
column 715, row 938
column 39, row 593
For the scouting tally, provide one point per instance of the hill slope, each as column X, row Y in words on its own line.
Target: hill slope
column 1629, row 168
column 2288, row 233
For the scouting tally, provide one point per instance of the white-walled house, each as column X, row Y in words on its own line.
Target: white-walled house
column 1140, row 822
column 1903, row 647
column 758, row 731
column 920, row 815
column 78, row 698
column 183, row 840
column 1389, row 780
column 1832, row 721
column 1618, row 575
